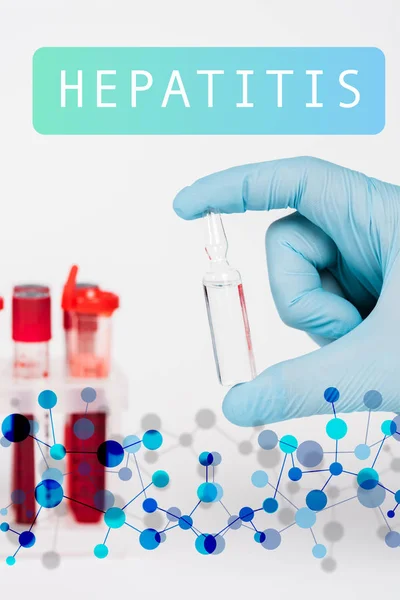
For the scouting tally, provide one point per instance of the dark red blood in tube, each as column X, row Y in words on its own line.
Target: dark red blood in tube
column 31, row 332
column 87, row 309
column 24, row 479
column 87, row 476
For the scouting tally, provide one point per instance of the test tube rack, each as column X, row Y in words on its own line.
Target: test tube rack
column 55, row 527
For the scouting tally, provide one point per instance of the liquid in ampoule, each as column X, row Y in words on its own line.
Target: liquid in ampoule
column 226, row 309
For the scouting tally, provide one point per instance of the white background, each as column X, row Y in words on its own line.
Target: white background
column 106, row 204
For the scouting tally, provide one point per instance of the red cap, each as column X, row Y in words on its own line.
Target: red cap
column 1, row 303
column 90, row 301
column 67, row 319
column 31, row 313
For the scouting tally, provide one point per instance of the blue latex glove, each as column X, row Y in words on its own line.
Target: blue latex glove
column 346, row 225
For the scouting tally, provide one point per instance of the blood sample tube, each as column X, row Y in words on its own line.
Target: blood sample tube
column 81, row 480
column 31, row 332
column 88, row 345
column 226, row 309
column 68, row 318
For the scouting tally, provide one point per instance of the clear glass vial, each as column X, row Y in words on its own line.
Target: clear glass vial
column 226, row 309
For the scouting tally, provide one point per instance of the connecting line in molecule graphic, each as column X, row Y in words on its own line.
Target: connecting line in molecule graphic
column 298, row 460
column 40, row 441
column 137, row 496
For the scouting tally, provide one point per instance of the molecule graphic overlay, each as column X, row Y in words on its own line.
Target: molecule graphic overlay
column 297, row 461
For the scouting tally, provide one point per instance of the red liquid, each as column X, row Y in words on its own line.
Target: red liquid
column 24, row 478
column 87, row 312
column 83, row 487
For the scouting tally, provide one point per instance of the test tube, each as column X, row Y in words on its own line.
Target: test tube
column 87, row 324
column 31, row 332
column 80, row 487
column 226, row 309
column 89, row 335
column 68, row 318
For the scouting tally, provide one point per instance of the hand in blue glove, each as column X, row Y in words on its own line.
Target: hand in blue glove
column 346, row 225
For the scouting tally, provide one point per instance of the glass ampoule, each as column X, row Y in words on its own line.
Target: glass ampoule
column 226, row 309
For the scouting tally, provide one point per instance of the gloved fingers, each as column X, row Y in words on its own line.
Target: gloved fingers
column 353, row 288
column 329, row 283
column 319, row 190
column 295, row 388
column 296, row 251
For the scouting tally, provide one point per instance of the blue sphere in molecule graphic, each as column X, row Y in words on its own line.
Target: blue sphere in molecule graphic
column 207, row 492
column 331, row 395
column 88, row 395
column 272, row 539
column 174, row 514
column 319, row 551
column 4, row 442
column 316, row 500
column 368, row 479
column 259, row 479
column 362, row 451
column 83, row 428
column 132, row 444
column 150, row 505
column 206, row 459
column 210, row 543
column 152, row 439
column 234, row 522
column 27, row 539
column 53, row 473
column 270, row 505
column 18, row 496
column 185, row 522
column 246, row 514
column 220, row 492
column 392, row 539
column 125, row 474
column 305, row 518
column 49, row 493
column 16, row 428
column 336, row 469
column 259, row 537
column 160, row 479
column 101, row 551
column 110, row 453
column 57, row 452
column 47, row 399
column 336, row 428
column 295, row 474
column 114, row 517
column 150, row 539
column 373, row 399
column 205, row 543
column 389, row 428
column 288, row 444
